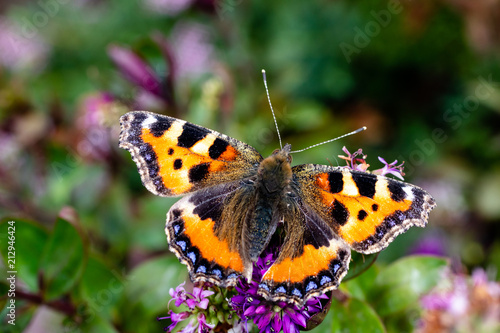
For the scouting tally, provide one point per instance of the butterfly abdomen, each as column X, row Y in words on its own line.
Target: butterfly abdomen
column 273, row 178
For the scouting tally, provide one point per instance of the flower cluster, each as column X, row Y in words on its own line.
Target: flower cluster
column 202, row 310
column 270, row 316
column 462, row 304
column 357, row 161
column 210, row 308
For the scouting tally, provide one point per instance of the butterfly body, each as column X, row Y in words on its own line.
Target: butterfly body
column 235, row 201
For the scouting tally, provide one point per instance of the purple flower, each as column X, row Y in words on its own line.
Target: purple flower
column 20, row 50
column 430, row 245
column 357, row 161
column 201, row 317
column 392, row 168
column 203, row 326
column 270, row 316
column 200, row 298
column 179, row 294
column 462, row 303
column 135, row 69
column 190, row 327
column 175, row 318
column 192, row 49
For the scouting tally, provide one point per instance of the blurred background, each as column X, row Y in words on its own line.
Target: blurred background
column 91, row 251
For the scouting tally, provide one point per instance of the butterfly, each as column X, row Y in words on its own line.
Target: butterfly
column 235, row 201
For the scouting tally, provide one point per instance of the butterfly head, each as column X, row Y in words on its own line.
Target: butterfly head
column 275, row 172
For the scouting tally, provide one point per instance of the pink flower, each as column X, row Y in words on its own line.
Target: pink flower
column 178, row 294
column 200, row 298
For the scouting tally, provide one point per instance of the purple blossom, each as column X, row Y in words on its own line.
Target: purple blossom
column 270, row 316
column 192, row 49
column 203, row 326
column 462, row 303
column 200, row 298
column 175, row 318
column 392, row 168
column 200, row 319
column 178, row 294
column 20, row 50
column 190, row 327
column 357, row 161
column 430, row 245
column 188, row 53
column 135, row 69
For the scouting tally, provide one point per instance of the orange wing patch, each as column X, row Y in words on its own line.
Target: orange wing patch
column 311, row 262
column 181, row 168
column 201, row 235
column 190, row 229
column 175, row 157
column 366, row 214
column 316, row 271
column 367, row 210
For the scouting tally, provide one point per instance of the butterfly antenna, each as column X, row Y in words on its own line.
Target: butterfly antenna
column 327, row 141
column 272, row 110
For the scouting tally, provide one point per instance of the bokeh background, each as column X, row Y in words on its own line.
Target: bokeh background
column 423, row 76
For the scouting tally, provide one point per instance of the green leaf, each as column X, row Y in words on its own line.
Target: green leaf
column 361, row 286
column 97, row 325
column 401, row 284
column 101, row 288
column 354, row 315
column 29, row 240
column 147, row 291
column 359, row 264
column 63, row 259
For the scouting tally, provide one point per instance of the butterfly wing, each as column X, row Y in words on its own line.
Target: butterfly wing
column 197, row 231
column 175, row 157
column 367, row 211
column 312, row 258
column 333, row 210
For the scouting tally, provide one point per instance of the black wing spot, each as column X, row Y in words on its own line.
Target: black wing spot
column 160, row 126
column 362, row 214
column 374, row 207
column 177, row 164
column 336, row 181
column 397, row 192
column 170, row 151
column 198, row 172
column 340, row 213
column 209, row 209
column 217, row 148
column 190, row 135
column 365, row 183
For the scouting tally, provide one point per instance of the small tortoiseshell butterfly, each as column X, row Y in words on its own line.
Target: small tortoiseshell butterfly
column 236, row 199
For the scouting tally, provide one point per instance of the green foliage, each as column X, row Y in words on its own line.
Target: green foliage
column 424, row 84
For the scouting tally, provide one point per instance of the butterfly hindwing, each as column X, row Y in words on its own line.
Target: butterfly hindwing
column 312, row 260
column 175, row 157
column 366, row 210
column 192, row 231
